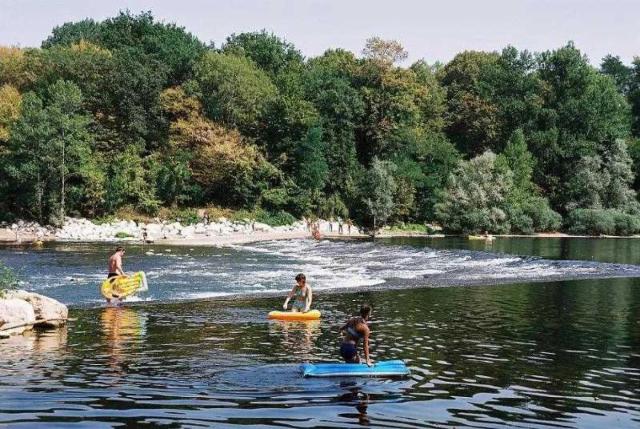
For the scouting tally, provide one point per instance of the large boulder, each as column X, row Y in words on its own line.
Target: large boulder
column 48, row 311
column 16, row 316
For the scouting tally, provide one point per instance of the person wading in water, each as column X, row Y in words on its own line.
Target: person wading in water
column 354, row 330
column 115, row 269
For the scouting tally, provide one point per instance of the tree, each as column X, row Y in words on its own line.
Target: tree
column 10, row 103
column 269, row 52
column 129, row 183
column 312, row 166
column 234, row 91
column 50, row 152
column 226, row 168
column 378, row 189
column 582, row 114
column 621, row 74
column 15, row 68
column 385, row 52
column 168, row 44
column 475, row 196
column 473, row 120
column 328, row 85
column 519, row 160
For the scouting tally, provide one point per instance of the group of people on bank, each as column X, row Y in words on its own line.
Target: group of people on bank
column 354, row 331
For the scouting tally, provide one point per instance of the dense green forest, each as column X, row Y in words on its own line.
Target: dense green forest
column 131, row 113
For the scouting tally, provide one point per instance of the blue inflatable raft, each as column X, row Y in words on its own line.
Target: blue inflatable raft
column 388, row 368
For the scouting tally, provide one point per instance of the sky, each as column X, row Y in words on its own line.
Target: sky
column 428, row 29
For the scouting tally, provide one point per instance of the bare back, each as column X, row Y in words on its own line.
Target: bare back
column 115, row 264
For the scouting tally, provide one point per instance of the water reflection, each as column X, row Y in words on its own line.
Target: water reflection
column 534, row 355
column 297, row 337
column 123, row 327
column 361, row 400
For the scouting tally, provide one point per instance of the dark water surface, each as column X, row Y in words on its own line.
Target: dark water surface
column 526, row 354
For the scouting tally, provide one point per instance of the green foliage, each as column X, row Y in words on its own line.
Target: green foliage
column 377, row 191
column 279, row 218
column 131, row 115
column 49, row 153
column 234, row 90
column 410, row 227
column 275, row 219
column 266, row 50
column 8, row 279
column 129, row 183
column 166, row 43
column 122, row 234
column 603, row 221
column 474, row 199
column 311, row 163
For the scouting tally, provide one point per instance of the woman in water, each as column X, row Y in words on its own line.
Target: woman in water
column 301, row 294
column 354, row 330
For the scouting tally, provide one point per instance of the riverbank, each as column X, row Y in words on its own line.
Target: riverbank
column 221, row 232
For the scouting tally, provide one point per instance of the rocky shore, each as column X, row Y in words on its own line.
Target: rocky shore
column 79, row 229
column 21, row 311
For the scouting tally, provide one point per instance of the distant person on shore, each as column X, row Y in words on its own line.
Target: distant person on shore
column 331, row 224
column 353, row 331
column 115, row 263
column 340, row 228
column 301, row 294
column 349, row 225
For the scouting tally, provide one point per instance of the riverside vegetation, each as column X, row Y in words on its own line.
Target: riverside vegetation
column 135, row 114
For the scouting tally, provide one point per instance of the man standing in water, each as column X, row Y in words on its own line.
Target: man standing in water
column 115, row 263
column 354, row 330
column 115, row 269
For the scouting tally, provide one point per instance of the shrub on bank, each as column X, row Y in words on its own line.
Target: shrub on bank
column 411, row 227
column 602, row 221
column 8, row 279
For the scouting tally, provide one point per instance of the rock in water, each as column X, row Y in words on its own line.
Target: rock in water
column 48, row 311
column 16, row 316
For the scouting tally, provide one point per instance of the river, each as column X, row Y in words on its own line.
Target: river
column 515, row 333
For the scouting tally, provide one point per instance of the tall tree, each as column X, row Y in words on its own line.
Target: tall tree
column 50, row 151
column 377, row 190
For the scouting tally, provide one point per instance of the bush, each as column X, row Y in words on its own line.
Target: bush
column 591, row 222
column 122, row 234
column 280, row 218
column 410, row 227
column 542, row 216
column 626, row 224
column 521, row 222
column 8, row 279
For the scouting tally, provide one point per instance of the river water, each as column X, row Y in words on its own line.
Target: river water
column 515, row 333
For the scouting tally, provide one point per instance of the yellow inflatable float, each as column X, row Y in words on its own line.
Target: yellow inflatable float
column 124, row 286
column 295, row 316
